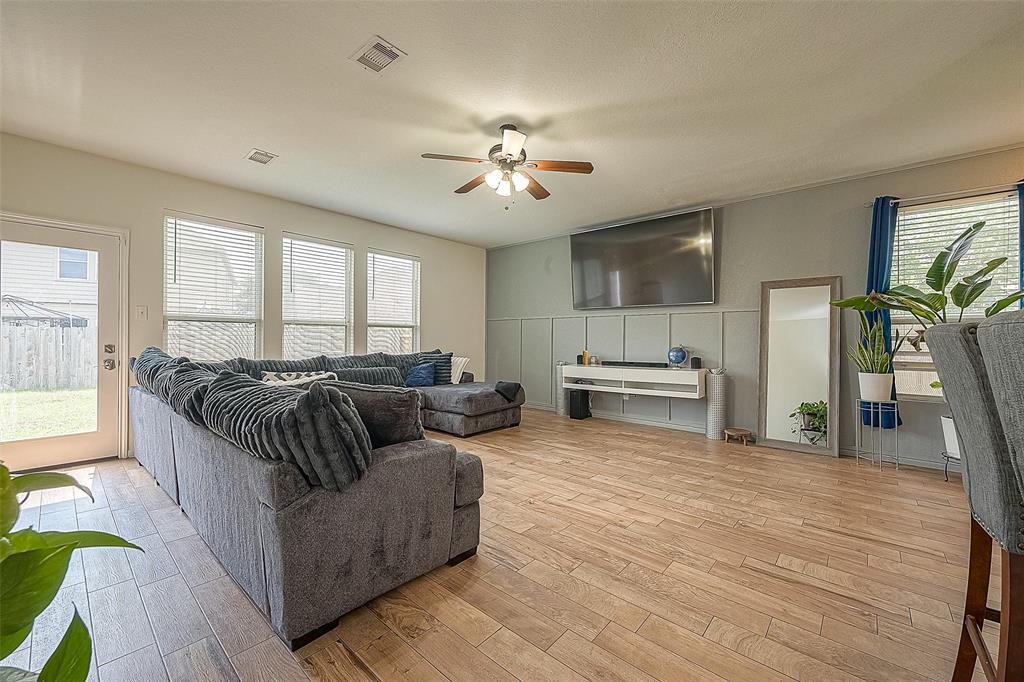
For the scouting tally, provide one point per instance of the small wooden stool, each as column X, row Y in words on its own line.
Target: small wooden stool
column 741, row 435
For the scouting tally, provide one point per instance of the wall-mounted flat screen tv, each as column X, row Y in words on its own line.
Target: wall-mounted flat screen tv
column 668, row 260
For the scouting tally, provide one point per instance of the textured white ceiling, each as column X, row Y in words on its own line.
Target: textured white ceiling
column 676, row 104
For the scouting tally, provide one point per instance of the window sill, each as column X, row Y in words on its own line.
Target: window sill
column 911, row 398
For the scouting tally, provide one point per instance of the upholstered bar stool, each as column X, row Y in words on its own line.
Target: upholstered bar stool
column 982, row 374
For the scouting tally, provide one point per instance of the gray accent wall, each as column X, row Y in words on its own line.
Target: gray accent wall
column 813, row 232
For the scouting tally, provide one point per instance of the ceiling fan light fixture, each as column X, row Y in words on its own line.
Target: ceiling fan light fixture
column 511, row 142
column 520, row 181
column 493, row 178
column 504, row 189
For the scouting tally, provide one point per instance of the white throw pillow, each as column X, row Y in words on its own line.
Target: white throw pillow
column 296, row 378
column 458, row 367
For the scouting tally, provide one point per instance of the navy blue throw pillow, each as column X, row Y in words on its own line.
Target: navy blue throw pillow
column 420, row 375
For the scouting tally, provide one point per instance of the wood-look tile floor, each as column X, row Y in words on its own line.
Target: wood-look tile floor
column 609, row 551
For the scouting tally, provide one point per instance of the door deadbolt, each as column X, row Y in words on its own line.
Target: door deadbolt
column 108, row 348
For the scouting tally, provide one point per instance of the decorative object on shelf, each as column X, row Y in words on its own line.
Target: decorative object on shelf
column 740, row 435
column 880, row 414
column 949, row 437
column 34, row 567
column 594, row 361
column 586, row 357
column 811, row 421
column 714, row 393
column 696, row 362
column 676, row 356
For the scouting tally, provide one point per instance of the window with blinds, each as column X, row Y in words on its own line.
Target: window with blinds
column 213, row 289
column 392, row 303
column 922, row 231
column 316, row 297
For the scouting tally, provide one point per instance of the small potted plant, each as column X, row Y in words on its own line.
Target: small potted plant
column 812, row 419
column 873, row 361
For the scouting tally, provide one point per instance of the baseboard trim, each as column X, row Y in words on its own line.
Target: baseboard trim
column 677, row 426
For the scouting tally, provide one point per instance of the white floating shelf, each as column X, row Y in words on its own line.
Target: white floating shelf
column 656, row 381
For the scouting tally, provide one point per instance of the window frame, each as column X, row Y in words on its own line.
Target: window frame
column 349, row 322
column 925, row 364
column 60, row 260
column 417, row 298
column 259, row 270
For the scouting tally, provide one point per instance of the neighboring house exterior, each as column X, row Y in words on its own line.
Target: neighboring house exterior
column 47, row 285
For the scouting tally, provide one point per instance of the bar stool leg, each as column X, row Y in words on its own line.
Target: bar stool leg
column 978, row 571
column 1011, row 620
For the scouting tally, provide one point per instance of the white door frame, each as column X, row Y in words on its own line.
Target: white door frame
column 123, row 238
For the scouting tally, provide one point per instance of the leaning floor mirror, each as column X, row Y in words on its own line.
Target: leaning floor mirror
column 799, row 368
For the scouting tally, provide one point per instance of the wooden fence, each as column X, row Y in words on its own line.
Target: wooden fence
column 41, row 358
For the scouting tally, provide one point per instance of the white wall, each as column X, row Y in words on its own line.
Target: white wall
column 49, row 181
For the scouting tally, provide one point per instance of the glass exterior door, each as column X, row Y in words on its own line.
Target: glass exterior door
column 58, row 345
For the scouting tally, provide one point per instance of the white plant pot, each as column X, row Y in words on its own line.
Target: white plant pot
column 949, row 437
column 875, row 387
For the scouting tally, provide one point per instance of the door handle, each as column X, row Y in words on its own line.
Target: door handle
column 109, row 363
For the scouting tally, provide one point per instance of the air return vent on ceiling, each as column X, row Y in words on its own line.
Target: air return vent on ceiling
column 260, row 156
column 377, row 54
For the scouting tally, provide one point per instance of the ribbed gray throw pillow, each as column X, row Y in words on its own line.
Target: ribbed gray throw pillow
column 318, row 430
column 373, row 376
column 442, row 366
column 186, row 389
column 148, row 365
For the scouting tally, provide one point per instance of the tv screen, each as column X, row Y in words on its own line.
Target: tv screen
column 661, row 261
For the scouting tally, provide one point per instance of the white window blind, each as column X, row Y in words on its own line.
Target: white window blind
column 316, row 297
column 392, row 303
column 922, row 232
column 213, row 289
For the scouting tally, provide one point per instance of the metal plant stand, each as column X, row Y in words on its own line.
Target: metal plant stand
column 875, row 445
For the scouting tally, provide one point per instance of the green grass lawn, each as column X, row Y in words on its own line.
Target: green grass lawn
column 35, row 414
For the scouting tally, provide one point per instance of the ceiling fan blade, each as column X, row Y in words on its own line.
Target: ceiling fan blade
column 449, row 157
column 561, row 166
column 472, row 184
column 535, row 189
column 512, row 142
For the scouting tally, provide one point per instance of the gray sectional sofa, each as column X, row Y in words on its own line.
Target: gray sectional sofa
column 304, row 554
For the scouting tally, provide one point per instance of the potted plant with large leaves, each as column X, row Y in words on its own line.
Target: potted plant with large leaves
column 32, row 569
column 932, row 307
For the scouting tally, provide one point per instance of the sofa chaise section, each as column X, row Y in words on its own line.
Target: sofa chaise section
column 466, row 409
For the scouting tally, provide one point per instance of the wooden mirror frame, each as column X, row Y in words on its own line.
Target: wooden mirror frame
column 835, row 285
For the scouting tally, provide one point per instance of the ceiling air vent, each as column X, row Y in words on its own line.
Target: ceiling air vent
column 377, row 54
column 260, row 156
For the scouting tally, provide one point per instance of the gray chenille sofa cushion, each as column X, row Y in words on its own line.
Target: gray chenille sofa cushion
column 469, row 479
column 318, row 430
column 467, row 399
column 149, row 364
column 461, row 425
column 391, row 414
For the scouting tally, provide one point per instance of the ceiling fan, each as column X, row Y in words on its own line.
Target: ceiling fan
column 511, row 169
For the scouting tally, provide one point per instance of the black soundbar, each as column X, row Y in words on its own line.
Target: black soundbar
column 620, row 363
